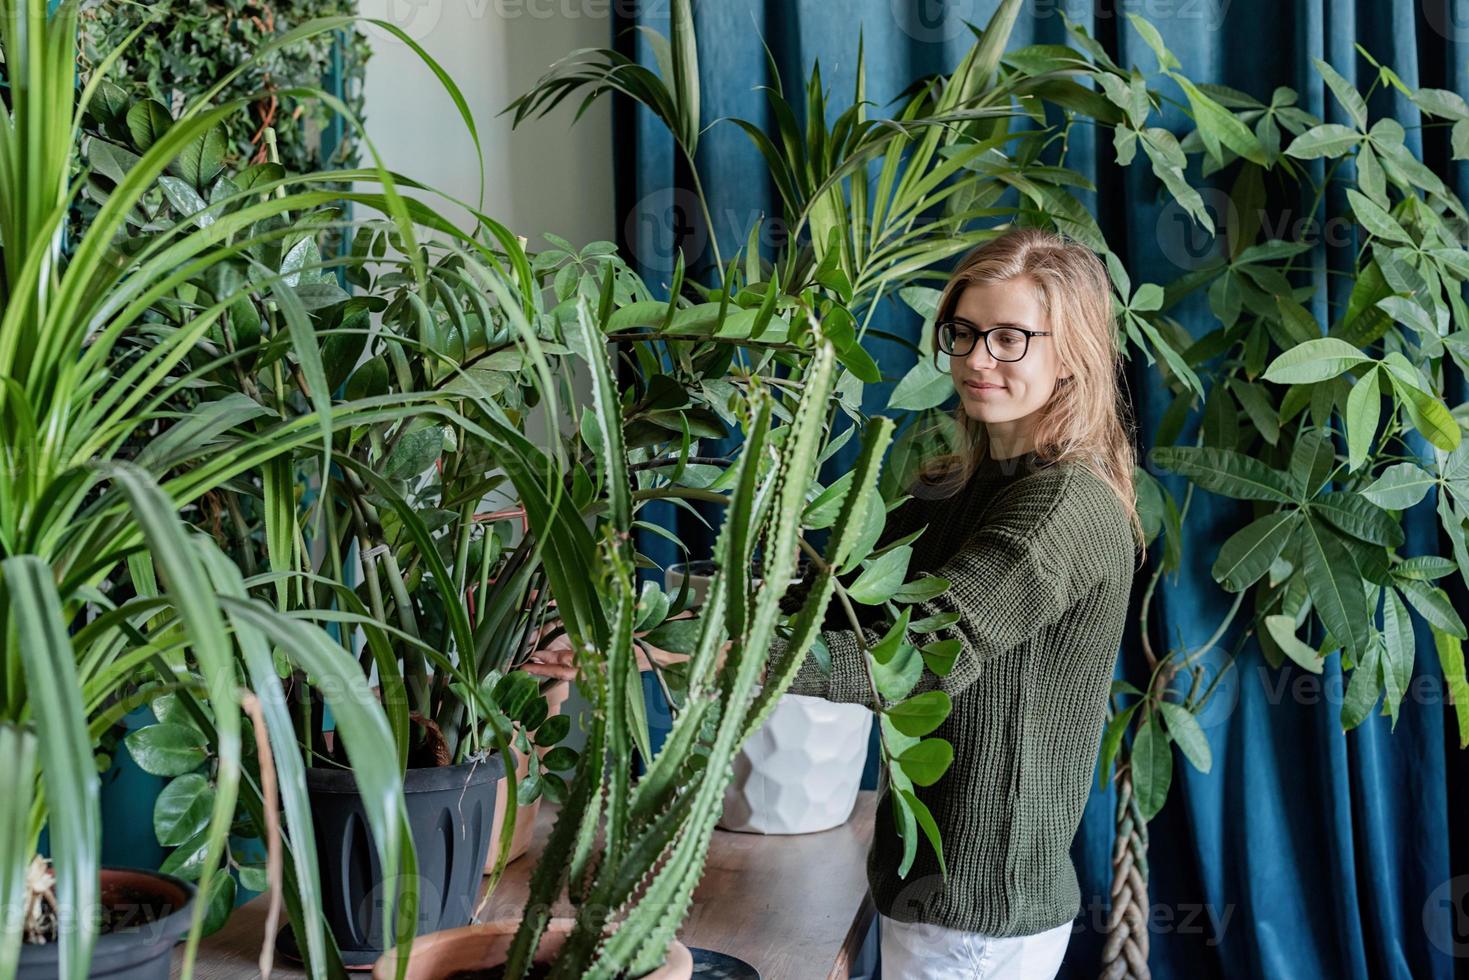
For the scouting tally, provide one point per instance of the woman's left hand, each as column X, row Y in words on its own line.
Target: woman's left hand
column 557, row 658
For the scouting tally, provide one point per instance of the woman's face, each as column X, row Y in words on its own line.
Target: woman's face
column 994, row 391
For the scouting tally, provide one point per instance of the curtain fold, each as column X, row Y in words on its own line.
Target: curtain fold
column 1307, row 852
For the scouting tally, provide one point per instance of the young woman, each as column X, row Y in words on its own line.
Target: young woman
column 1032, row 522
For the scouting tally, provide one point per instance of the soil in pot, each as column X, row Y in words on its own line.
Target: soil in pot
column 142, row 915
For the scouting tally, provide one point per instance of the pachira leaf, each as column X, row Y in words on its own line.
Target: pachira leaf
column 1400, row 486
column 1226, row 472
column 1359, row 517
column 1326, row 140
column 1315, row 360
column 1364, row 687
column 1152, row 767
column 1186, row 732
column 1282, row 630
column 1335, row 585
column 1430, row 416
column 1364, row 409
column 1249, row 552
column 1398, row 652
column 1451, row 660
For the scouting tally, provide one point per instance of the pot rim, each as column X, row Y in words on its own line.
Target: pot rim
column 422, row 779
column 171, row 926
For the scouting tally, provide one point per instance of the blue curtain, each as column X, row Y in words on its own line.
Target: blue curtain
column 1306, row 852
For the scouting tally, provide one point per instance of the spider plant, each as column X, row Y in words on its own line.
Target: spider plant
column 113, row 430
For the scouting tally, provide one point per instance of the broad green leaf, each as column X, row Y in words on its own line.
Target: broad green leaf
column 920, row 714
column 1226, row 472
column 1326, row 140
column 1400, row 486
column 1315, row 360
column 1184, row 728
column 167, row 749
column 882, row 577
column 1282, row 630
column 1359, row 517
column 1451, row 660
column 1152, row 768
column 1399, row 650
column 926, row 762
column 1249, row 552
column 1364, row 409
column 1335, row 585
column 182, row 809
column 1363, row 688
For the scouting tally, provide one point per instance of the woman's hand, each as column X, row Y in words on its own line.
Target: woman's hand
column 557, row 659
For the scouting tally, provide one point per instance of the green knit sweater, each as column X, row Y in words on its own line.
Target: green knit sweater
column 1040, row 560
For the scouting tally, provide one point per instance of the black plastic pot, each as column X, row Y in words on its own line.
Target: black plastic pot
column 451, row 811
column 138, row 951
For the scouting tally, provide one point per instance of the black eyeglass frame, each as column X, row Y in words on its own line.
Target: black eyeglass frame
column 982, row 335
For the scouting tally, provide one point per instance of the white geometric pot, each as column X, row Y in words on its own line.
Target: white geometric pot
column 800, row 772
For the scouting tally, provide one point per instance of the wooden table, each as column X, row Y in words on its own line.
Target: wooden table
column 795, row 907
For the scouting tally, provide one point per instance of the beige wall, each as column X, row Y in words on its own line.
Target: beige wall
column 545, row 176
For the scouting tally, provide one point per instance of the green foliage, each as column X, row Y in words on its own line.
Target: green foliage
column 197, row 43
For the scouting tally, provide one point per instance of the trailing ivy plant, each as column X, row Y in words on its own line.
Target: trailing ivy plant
column 198, row 43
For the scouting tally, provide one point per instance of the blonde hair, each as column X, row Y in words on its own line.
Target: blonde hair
column 1087, row 419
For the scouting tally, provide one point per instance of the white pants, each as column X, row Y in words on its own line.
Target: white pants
column 919, row 951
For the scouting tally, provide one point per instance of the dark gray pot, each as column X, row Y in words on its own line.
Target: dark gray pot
column 450, row 809
column 140, row 952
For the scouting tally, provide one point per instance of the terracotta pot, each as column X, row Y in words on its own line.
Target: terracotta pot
column 525, row 816
column 141, row 947
column 483, row 946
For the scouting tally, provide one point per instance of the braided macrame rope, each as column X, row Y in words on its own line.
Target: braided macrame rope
column 1125, row 954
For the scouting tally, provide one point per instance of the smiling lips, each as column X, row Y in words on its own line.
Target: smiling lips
column 982, row 386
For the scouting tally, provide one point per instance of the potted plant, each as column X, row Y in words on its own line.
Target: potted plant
column 800, row 772
column 654, row 813
column 120, row 340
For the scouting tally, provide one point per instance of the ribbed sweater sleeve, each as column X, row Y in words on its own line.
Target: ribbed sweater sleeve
column 1013, row 576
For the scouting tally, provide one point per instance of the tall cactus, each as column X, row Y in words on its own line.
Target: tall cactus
column 633, row 882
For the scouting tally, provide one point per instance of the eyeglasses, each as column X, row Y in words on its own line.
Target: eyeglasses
column 957, row 338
